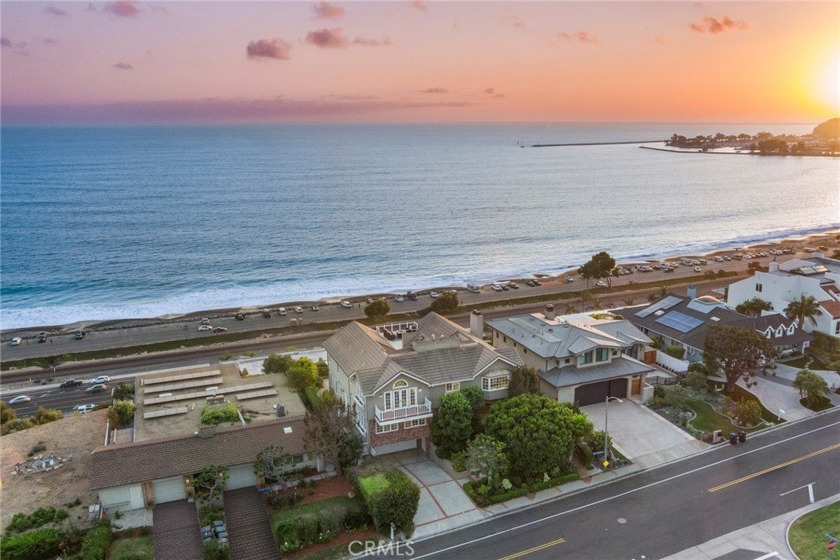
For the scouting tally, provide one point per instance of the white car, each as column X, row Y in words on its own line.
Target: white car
column 83, row 408
column 399, row 299
column 205, row 328
column 16, row 341
column 314, row 308
column 100, row 379
column 346, row 304
column 698, row 269
column 496, row 288
column 434, row 294
column 298, row 309
column 281, row 311
column 20, row 399
column 601, row 284
column 569, row 279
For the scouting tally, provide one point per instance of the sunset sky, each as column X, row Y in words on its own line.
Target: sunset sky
column 124, row 61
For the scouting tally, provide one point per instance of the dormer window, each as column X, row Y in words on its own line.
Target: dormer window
column 780, row 332
column 790, row 329
column 602, row 355
column 585, row 358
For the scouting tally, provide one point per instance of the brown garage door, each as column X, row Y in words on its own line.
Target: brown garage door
column 594, row 393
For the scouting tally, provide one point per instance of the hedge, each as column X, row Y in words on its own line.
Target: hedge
column 40, row 544
column 96, row 543
column 391, row 497
column 21, row 522
column 485, row 500
column 216, row 414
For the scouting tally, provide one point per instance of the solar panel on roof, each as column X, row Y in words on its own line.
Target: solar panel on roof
column 679, row 321
column 820, row 268
column 666, row 303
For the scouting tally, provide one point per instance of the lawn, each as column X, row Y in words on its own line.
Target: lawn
column 708, row 419
column 135, row 548
column 807, row 534
column 801, row 362
column 313, row 508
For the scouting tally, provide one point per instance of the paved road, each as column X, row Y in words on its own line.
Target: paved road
column 665, row 510
column 60, row 399
column 140, row 334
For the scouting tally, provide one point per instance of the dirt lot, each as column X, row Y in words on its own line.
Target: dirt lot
column 77, row 436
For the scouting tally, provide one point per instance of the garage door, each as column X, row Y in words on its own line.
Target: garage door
column 241, row 477
column 594, row 393
column 394, row 447
column 169, row 490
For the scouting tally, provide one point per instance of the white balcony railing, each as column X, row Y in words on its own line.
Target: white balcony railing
column 423, row 410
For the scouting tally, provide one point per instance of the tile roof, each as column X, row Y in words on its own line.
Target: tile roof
column 570, row 375
column 564, row 338
column 438, row 352
column 832, row 307
column 130, row 463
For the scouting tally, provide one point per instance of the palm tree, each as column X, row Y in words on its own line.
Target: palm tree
column 753, row 307
column 806, row 307
column 812, row 388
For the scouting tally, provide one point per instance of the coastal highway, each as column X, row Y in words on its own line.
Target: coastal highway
column 666, row 510
column 53, row 397
column 187, row 328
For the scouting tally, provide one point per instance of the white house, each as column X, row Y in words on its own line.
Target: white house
column 784, row 282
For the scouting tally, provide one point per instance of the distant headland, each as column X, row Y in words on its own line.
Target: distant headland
column 824, row 141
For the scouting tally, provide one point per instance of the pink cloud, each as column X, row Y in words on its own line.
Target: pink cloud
column 515, row 21
column 123, row 66
column 715, row 26
column 328, row 38
column 580, row 36
column 17, row 48
column 5, row 42
column 660, row 40
column 327, row 10
column 276, row 48
column 122, row 8
column 365, row 42
column 420, row 5
column 433, row 90
column 55, row 11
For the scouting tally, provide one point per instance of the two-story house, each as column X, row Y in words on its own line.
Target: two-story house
column 394, row 375
column 817, row 276
column 578, row 358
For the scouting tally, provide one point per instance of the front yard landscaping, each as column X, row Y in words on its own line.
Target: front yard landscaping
column 303, row 526
column 137, row 548
column 807, row 535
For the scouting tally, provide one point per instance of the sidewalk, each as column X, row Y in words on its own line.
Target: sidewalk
column 767, row 539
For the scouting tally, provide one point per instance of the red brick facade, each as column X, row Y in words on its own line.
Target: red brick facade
column 402, row 434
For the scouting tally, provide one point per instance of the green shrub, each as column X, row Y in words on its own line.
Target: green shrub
column 658, row 392
column 748, row 412
column 21, row 522
column 697, row 366
column 584, row 453
column 457, row 460
column 675, row 351
column 96, row 543
column 391, row 497
column 695, row 380
column 16, row 425
column 214, row 550
column 41, row 544
column 356, row 516
column 121, row 413
column 217, row 414
column 211, row 513
column 536, row 487
column 308, row 527
column 323, row 368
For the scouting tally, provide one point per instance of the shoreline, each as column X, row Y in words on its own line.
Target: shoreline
column 827, row 237
column 718, row 153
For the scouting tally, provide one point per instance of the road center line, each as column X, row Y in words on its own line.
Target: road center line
column 534, row 549
column 622, row 494
column 774, row 468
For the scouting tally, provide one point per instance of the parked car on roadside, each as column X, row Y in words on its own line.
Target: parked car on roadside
column 346, row 304
column 513, row 285
column 281, row 311
column 569, row 279
column 434, row 294
column 600, row 283
column 298, row 309
column 15, row 341
column 314, row 308
column 399, row 299
column 42, row 337
column 240, row 317
column 79, row 335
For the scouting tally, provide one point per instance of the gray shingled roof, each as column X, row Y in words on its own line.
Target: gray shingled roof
column 775, row 320
column 570, row 375
column 562, row 339
column 130, row 463
column 439, row 352
column 711, row 315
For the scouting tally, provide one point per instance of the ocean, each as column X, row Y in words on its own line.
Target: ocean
column 141, row 221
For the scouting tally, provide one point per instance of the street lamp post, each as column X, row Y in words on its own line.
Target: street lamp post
column 606, row 425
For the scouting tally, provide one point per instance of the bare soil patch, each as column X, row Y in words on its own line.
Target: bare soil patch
column 75, row 436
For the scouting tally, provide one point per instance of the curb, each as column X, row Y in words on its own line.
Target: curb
column 618, row 478
column 792, row 521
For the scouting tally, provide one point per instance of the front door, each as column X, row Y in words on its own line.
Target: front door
column 636, row 389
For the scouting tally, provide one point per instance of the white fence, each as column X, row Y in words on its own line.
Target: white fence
column 670, row 363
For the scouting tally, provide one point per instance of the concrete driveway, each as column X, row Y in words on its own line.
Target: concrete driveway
column 642, row 435
column 443, row 503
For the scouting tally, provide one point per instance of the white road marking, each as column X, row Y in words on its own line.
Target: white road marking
column 809, row 486
column 773, row 554
column 626, row 493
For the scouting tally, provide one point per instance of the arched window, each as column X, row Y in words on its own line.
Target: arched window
column 400, row 384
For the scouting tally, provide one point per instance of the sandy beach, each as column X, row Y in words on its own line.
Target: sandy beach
column 828, row 240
